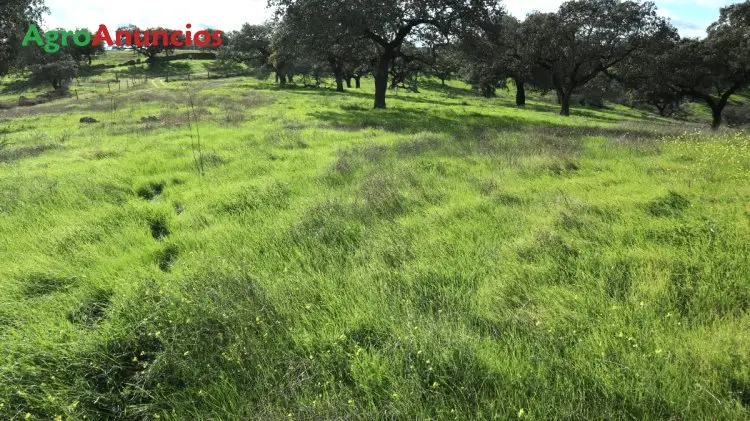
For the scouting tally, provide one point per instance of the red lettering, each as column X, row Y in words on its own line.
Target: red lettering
column 119, row 35
column 155, row 35
column 141, row 39
column 202, row 38
column 175, row 39
column 102, row 35
column 188, row 37
column 217, row 38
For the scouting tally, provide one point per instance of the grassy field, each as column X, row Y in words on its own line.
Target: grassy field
column 109, row 74
column 256, row 253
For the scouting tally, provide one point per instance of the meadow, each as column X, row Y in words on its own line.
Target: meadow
column 225, row 249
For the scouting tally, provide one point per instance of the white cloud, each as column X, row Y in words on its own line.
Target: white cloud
column 520, row 8
column 691, row 33
column 231, row 14
column 225, row 15
column 665, row 13
column 701, row 3
column 686, row 28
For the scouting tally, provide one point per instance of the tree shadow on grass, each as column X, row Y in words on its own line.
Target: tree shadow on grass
column 446, row 89
column 354, row 93
column 19, row 86
column 463, row 124
column 602, row 114
column 455, row 100
column 448, row 133
column 405, row 120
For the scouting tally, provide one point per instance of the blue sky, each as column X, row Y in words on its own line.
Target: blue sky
column 691, row 17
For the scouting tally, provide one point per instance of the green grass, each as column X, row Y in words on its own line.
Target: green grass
column 451, row 257
column 96, row 80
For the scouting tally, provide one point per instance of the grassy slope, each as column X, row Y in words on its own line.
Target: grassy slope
column 448, row 257
column 93, row 80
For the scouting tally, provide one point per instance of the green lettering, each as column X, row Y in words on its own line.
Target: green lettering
column 65, row 36
column 82, row 33
column 51, row 37
column 32, row 35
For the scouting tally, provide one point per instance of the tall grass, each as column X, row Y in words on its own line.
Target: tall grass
column 448, row 258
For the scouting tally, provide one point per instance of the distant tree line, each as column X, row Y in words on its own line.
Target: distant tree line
column 588, row 50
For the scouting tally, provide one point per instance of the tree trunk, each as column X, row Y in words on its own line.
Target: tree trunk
column 565, row 103
column 337, row 74
column 290, row 78
column 356, row 82
column 282, row 79
column 339, row 82
column 716, row 116
column 381, row 79
column 488, row 91
column 442, row 81
column 718, row 107
column 520, row 92
column 348, row 81
column 662, row 109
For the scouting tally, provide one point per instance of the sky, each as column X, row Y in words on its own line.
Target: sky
column 691, row 17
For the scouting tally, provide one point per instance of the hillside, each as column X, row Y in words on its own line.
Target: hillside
column 223, row 248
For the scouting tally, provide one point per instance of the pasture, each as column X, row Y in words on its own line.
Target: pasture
column 223, row 248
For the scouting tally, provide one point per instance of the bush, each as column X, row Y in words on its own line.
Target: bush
column 58, row 73
column 737, row 115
